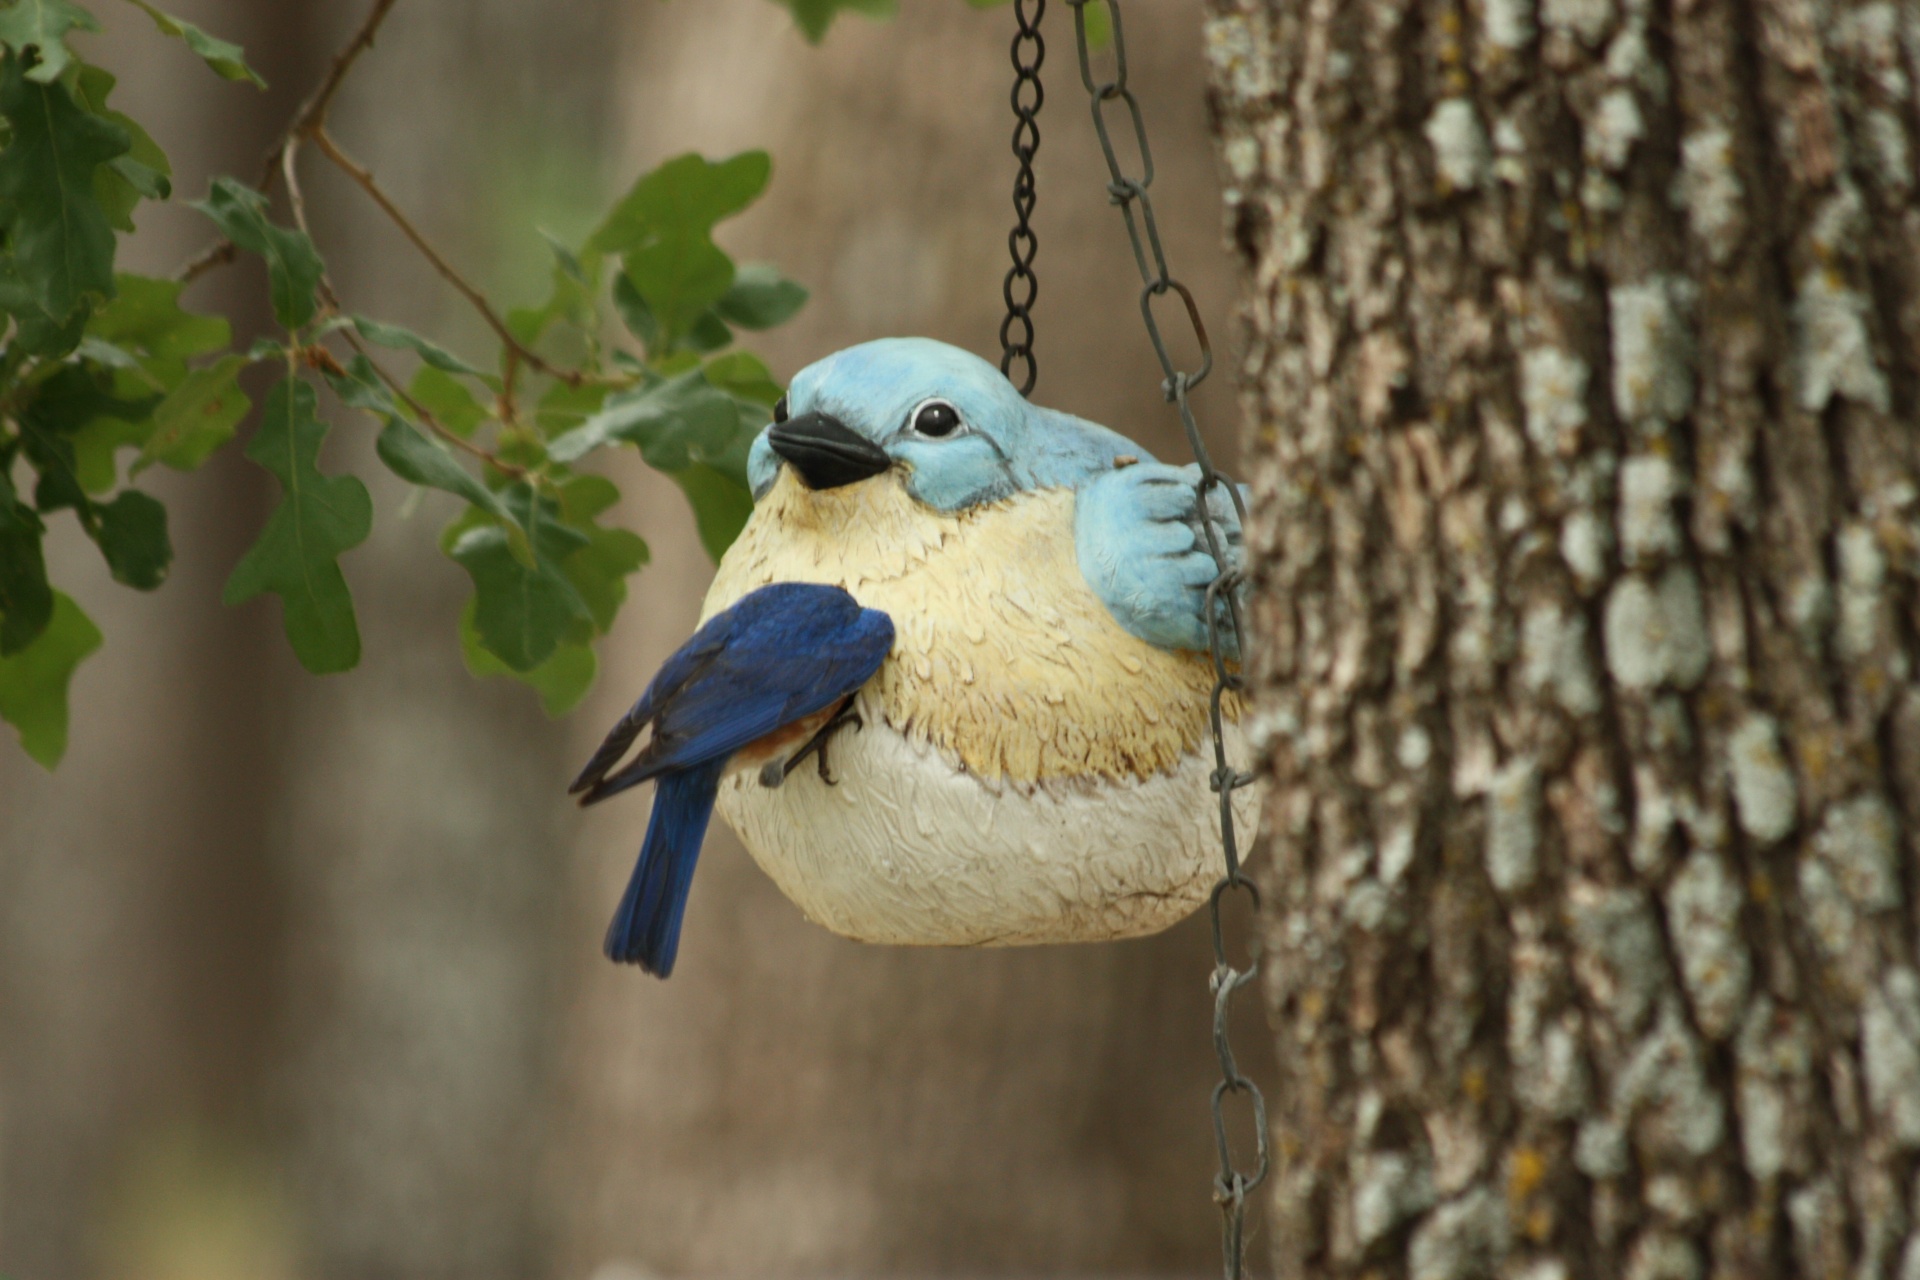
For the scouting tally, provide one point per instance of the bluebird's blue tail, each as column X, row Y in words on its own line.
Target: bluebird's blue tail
column 779, row 655
column 646, row 928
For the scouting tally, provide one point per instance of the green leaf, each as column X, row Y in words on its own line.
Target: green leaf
column 96, row 441
column 76, row 394
column 575, row 284
column 144, row 316
column 562, row 408
column 359, row 387
column 34, row 681
column 229, row 61
column 43, row 25
column 62, row 242
column 683, row 198
column 813, row 17
column 77, row 401
column 197, row 417
column 599, row 571
column 703, row 332
column 26, row 600
column 760, row 297
column 566, row 261
column 447, row 398
column 52, row 456
column 96, row 446
column 720, row 504
column 100, row 351
column 635, row 313
column 523, row 611
column 132, row 533
column 745, row 376
column 392, row 335
column 419, row 459
column 675, row 422
column 707, row 332
column 562, row 680
column 533, row 620
column 149, row 182
column 680, row 277
column 142, row 173
column 584, row 497
column 37, row 334
column 319, row 517
column 293, row 264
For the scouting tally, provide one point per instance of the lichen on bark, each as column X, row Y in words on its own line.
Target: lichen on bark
column 1582, row 357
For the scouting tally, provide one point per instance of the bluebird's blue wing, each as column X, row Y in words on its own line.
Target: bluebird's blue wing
column 778, row 655
column 1137, row 535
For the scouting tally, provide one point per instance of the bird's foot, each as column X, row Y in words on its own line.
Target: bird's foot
column 817, row 745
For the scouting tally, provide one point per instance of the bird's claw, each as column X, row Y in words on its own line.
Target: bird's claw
column 817, row 747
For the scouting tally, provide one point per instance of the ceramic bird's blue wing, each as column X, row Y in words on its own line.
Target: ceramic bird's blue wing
column 1136, row 532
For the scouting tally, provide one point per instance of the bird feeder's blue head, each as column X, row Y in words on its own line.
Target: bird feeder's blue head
column 946, row 422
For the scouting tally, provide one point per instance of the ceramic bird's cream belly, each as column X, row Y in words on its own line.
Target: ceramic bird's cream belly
column 1028, row 770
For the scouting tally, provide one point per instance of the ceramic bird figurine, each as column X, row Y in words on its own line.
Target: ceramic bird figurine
column 981, row 625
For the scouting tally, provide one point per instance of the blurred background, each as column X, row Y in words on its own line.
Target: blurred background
column 300, row 977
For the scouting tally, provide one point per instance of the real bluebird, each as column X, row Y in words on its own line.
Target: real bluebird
column 986, row 619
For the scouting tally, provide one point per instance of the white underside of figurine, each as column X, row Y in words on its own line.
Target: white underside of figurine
column 907, row 848
column 1027, row 770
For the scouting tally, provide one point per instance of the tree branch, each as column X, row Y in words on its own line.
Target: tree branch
column 364, row 177
column 311, row 115
column 297, row 200
column 420, row 411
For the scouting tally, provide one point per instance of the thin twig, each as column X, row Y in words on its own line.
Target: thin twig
column 439, row 428
column 360, row 174
column 297, row 201
column 217, row 254
column 311, row 115
column 296, row 198
column 310, row 122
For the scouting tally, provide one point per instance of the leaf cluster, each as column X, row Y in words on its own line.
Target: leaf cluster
column 92, row 363
column 104, row 375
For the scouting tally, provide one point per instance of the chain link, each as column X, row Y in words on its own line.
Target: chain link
column 1232, row 1186
column 1016, row 331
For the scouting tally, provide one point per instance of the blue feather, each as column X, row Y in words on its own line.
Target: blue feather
column 778, row 655
column 646, row 927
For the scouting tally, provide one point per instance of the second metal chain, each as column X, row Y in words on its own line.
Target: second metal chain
column 1232, row 1186
column 1022, row 286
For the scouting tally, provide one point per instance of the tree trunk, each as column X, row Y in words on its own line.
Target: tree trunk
column 1582, row 356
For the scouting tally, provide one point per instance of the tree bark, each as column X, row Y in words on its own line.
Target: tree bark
column 1583, row 344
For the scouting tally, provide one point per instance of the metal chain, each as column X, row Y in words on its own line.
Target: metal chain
column 1029, row 51
column 1232, row 1186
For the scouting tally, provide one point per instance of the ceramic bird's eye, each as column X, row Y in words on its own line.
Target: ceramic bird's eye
column 780, row 410
column 936, row 418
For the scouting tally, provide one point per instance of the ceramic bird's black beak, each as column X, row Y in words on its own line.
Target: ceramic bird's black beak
column 826, row 452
